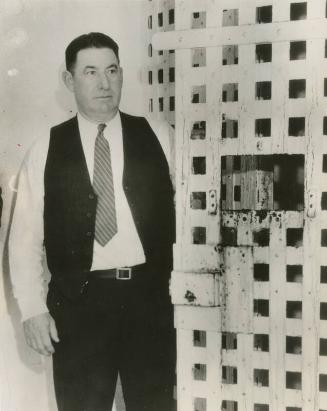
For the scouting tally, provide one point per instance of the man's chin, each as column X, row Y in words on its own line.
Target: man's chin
column 104, row 112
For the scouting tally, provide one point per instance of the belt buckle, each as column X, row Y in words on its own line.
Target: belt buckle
column 124, row 273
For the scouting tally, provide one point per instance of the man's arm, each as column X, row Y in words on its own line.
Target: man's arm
column 26, row 252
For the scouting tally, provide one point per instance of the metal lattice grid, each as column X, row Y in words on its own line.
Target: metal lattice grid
column 250, row 268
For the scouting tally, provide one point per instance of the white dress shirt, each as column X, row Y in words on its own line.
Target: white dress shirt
column 26, row 251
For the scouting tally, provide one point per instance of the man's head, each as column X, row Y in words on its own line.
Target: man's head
column 88, row 41
column 94, row 76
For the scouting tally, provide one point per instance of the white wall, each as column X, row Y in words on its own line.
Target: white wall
column 33, row 37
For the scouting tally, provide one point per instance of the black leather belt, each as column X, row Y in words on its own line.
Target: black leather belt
column 120, row 273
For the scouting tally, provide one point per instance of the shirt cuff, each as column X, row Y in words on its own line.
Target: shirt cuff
column 32, row 307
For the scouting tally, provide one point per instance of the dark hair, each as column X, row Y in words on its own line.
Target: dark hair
column 85, row 41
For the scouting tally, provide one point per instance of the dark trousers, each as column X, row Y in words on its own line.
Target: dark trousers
column 116, row 326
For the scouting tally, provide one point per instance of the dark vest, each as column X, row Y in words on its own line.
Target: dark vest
column 70, row 202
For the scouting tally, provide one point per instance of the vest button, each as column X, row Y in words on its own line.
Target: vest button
column 89, row 234
column 88, row 215
column 91, row 196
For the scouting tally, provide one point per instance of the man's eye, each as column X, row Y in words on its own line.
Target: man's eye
column 113, row 71
column 91, row 72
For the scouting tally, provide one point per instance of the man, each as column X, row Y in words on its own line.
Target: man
column 97, row 193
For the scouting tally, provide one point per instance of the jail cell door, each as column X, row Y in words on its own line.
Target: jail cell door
column 249, row 280
column 262, row 223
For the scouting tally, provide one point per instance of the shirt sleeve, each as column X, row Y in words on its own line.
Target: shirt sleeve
column 26, row 251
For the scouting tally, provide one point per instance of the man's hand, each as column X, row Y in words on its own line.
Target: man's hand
column 39, row 331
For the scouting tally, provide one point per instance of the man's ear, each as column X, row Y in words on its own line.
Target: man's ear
column 68, row 79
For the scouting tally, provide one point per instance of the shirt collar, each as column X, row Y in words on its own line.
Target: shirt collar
column 87, row 128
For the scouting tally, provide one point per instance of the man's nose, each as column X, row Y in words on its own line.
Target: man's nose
column 104, row 81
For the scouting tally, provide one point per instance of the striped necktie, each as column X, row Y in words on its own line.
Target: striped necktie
column 105, row 222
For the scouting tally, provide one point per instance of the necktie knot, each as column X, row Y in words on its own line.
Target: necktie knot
column 101, row 127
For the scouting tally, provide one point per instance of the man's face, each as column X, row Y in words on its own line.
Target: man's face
column 96, row 83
